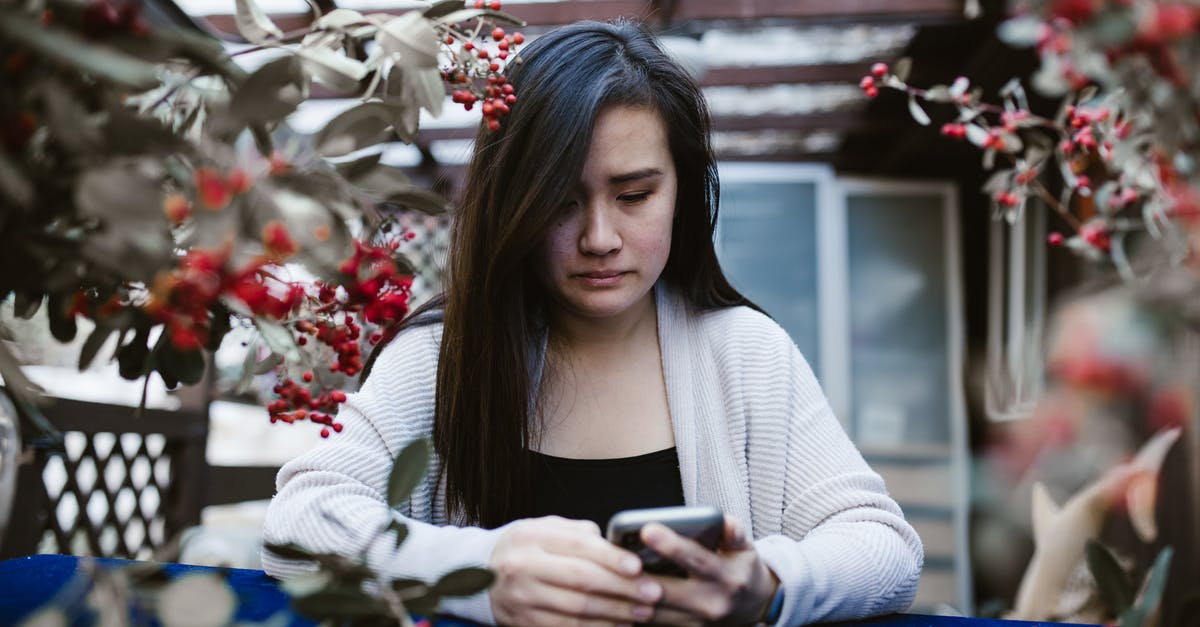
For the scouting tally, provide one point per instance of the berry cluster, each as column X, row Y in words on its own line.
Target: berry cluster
column 476, row 74
column 184, row 298
column 870, row 83
column 296, row 402
column 101, row 18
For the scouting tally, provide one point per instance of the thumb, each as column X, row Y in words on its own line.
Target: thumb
column 735, row 538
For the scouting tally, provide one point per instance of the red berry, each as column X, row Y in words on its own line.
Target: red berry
column 498, row 33
column 510, row 99
column 479, row 4
column 337, row 426
column 879, row 70
column 493, row 66
column 1055, row 239
column 867, row 82
column 872, row 92
column 308, row 376
column 494, row 5
column 468, row 46
column 493, row 124
column 518, row 38
column 508, row 89
column 325, row 432
column 503, row 54
column 338, row 396
column 503, row 45
column 449, row 39
column 483, row 54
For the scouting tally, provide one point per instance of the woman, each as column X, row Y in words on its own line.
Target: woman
column 589, row 356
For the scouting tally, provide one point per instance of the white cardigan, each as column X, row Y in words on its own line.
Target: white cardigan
column 754, row 434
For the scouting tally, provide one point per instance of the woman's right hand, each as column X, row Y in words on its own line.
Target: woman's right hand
column 554, row 571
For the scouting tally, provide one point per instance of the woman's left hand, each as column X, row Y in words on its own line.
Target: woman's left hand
column 730, row 586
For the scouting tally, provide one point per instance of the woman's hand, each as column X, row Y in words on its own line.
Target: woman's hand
column 731, row 586
column 554, row 571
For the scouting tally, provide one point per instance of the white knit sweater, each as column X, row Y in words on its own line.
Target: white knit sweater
column 754, row 434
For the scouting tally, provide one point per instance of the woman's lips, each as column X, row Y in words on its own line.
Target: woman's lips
column 606, row 278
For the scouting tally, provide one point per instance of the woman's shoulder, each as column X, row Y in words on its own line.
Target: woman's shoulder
column 412, row 352
column 745, row 331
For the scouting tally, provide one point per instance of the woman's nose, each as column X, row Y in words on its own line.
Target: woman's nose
column 600, row 236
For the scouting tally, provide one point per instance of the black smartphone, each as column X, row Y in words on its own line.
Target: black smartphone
column 705, row 524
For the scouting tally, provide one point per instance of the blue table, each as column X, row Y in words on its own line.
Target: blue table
column 27, row 583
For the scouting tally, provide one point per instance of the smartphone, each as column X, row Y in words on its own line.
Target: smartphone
column 705, row 524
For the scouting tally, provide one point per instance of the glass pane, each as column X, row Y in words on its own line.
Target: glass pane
column 898, row 318
column 768, row 249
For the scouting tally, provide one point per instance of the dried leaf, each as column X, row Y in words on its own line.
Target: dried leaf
column 339, row 19
column 271, row 93
column 469, row 14
column 938, row 93
column 270, row 363
column 442, row 8
column 418, row 198
column 902, row 68
column 254, row 24
column 356, row 168
column 306, row 584
column 334, row 70
column 355, row 128
column 1023, row 31
column 278, row 338
column 410, row 466
column 411, row 39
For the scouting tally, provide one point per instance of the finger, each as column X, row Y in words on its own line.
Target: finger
column 593, row 607
column 700, row 599
column 546, row 618
column 672, row 616
column 576, row 541
column 589, row 577
column 736, row 538
column 683, row 551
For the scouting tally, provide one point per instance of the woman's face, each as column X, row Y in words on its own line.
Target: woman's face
column 610, row 242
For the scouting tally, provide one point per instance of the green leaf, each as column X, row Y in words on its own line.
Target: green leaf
column 411, row 38
column 401, row 531
column 420, row 199
column 410, row 466
column 356, row 128
column 254, row 24
column 97, row 61
column 92, row 345
column 62, row 321
column 338, row 603
column 290, row 551
column 1116, row 591
column 278, row 338
column 464, row 582
column 271, row 93
column 187, row 367
column 26, row 304
column 1156, row 581
column 468, row 14
column 132, row 356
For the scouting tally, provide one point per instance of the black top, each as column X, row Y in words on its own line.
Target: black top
column 595, row 489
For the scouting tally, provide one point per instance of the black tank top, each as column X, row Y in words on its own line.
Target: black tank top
column 595, row 489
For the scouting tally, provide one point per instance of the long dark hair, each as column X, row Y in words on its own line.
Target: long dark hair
column 518, row 176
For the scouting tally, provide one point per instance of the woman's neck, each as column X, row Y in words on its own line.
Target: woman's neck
column 578, row 334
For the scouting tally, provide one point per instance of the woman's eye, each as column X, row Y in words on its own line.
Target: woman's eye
column 633, row 198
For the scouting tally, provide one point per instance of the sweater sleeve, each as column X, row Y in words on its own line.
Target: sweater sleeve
column 845, row 550
column 333, row 498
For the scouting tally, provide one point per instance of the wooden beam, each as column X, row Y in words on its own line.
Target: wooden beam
column 565, row 11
